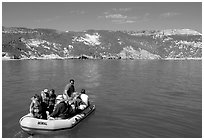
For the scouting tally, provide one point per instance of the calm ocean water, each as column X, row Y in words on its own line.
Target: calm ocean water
column 133, row 98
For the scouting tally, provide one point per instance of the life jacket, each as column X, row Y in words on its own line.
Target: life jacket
column 35, row 106
column 46, row 100
column 37, row 109
column 52, row 99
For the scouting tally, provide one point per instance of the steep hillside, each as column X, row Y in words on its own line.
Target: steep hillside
column 24, row 43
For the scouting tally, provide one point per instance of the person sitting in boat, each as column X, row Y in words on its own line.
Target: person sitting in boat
column 52, row 98
column 37, row 109
column 61, row 109
column 74, row 101
column 79, row 101
column 69, row 89
column 45, row 100
column 83, row 100
column 34, row 105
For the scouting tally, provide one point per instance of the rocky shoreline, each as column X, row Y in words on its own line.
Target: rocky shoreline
column 38, row 44
column 91, row 58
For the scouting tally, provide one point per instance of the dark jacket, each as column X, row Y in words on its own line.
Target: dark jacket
column 51, row 103
column 43, row 110
column 52, row 99
column 61, row 110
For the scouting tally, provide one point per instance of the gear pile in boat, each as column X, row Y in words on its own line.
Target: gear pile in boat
column 48, row 105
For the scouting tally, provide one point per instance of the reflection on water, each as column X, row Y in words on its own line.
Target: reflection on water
column 68, row 67
column 91, row 74
column 34, row 67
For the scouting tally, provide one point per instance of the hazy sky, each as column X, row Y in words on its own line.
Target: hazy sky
column 103, row 15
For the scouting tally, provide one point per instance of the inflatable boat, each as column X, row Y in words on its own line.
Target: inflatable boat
column 33, row 125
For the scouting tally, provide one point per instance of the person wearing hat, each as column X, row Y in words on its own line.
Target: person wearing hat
column 61, row 109
column 45, row 96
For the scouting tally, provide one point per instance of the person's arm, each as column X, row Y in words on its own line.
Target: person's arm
column 66, row 89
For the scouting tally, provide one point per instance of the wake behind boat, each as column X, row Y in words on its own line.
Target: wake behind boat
column 34, row 125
